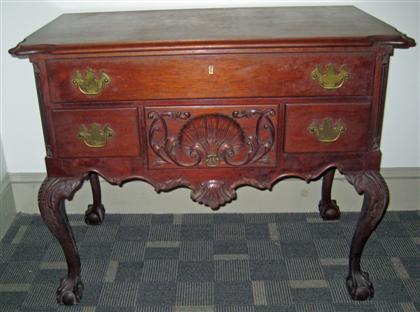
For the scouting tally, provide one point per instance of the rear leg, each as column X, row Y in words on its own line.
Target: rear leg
column 95, row 213
column 328, row 207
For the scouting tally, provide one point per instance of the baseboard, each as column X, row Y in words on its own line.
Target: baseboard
column 291, row 195
column 7, row 206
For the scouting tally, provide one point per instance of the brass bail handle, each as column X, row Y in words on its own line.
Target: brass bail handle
column 331, row 79
column 95, row 135
column 89, row 84
column 326, row 131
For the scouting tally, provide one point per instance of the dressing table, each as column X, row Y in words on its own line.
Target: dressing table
column 212, row 100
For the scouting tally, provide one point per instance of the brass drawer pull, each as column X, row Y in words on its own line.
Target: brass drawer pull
column 326, row 131
column 330, row 79
column 89, row 84
column 95, row 135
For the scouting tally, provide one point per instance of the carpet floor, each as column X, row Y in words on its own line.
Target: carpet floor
column 213, row 262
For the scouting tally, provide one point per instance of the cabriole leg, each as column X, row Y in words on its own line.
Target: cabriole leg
column 51, row 198
column 328, row 207
column 375, row 201
column 95, row 213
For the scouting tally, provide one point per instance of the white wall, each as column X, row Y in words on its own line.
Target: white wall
column 22, row 134
column 3, row 168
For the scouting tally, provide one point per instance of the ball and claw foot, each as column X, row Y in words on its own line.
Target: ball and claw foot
column 329, row 210
column 70, row 291
column 94, row 215
column 360, row 287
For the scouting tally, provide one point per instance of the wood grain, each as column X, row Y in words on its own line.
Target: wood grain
column 118, row 31
column 245, row 123
column 244, row 75
column 355, row 117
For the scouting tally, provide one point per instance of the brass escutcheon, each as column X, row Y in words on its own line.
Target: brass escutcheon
column 330, row 79
column 89, row 84
column 211, row 69
column 212, row 160
column 325, row 131
column 95, row 135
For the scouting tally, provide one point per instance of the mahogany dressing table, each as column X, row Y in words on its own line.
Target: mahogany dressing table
column 212, row 100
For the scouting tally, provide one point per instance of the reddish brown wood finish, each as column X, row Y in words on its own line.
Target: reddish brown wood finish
column 200, row 29
column 327, row 206
column 123, row 121
column 177, row 125
column 95, row 213
column 244, row 75
column 355, row 117
column 208, row 136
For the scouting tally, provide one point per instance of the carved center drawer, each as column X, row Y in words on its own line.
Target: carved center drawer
column 206, row 137
column 210, row 76
column 96, row 132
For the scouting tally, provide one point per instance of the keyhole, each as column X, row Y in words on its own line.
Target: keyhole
column 211, row 69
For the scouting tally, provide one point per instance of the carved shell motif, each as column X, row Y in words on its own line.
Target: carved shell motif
column 213, row 193
column 212, row 136
column 211, row 139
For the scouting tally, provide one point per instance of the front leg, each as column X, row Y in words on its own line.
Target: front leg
column 95, row 213
column 328, row 207
column 51, row 198
column 375, row 201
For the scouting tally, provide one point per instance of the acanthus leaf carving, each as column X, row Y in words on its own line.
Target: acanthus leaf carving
column 55, row 189
column 210, row 139
column 171, row 184
column 372, row 183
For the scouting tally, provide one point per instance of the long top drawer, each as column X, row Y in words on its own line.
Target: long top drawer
column 211, row 76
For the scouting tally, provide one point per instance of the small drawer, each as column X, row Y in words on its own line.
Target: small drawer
column 326, row 127
column 96, row 132
column 211, row 76
column 211, row 137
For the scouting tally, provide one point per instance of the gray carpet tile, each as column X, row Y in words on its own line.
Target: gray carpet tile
column 97, row 234
column 190, row 271
column 411, row 265
column 128, row 251
column 232, row 270
column 119, row 294
column 197, row 219
column 278, row 293
column 197, row 232
column 160, row 270
column 264, row 250
column 229, row 231
column 304, row 269
column 133, row 233
column 6, row 252
column 212, row 263
column 195, row 294
column 165, row 232
column 315, row 307
column 294, row 231
column 268, row 270
column 157, row 293
column 135, row 219
column 196, row 250
column 332, row 248
column 299, row 249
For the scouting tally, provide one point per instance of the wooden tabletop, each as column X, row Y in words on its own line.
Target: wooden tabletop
column 281, row 25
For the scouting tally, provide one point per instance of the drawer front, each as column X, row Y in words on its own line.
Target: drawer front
column 211, row 137
column 327, row 127
column 96, row 132
column 211, row 76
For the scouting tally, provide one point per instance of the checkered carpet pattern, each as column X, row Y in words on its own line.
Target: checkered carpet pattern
column 213, row 262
